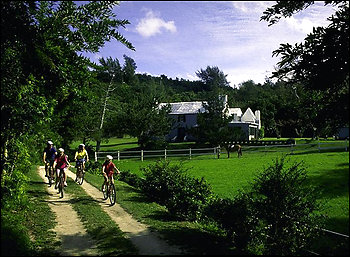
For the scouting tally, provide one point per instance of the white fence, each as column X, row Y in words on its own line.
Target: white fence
column 216, row 151
column 142, row 154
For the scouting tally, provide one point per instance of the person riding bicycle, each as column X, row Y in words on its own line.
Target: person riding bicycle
column 61, row 162
column 49, row 155
column 108, row 168
column 81, row 156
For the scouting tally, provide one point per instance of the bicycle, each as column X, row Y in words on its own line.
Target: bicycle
column 80, row 173
column 61, row 183
column 51, row 176
column 108, row 190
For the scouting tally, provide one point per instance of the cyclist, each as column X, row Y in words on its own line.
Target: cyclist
column 49, row 155
column 81, row 156
column 108, row 168
column 61, row 162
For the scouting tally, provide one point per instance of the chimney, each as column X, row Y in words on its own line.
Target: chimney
column 257, row 115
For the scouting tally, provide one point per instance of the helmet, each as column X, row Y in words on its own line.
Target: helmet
column 109, row 157
column 49, row 142
column 61, row 150
column 82, row 145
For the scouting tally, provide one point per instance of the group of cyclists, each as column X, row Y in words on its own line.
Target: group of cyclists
column 58, row 161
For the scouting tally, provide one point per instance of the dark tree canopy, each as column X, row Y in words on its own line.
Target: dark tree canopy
column 320, row 63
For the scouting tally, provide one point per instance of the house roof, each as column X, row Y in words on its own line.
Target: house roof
column 237, row 111
column 249, row 116
column 185, row 107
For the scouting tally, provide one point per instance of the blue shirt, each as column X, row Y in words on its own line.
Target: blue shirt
column 50, row 153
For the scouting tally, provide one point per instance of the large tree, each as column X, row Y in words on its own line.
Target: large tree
column 320, row 63
column 44, row 78
column 213, row 78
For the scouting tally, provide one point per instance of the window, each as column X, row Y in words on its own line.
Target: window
column 252, row 131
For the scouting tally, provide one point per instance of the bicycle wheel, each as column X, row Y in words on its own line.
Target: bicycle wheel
column 104, row 191
column 81, row 176
column 61, row 185
column 112, row 194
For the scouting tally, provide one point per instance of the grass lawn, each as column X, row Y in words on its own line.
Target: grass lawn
column 328, row 170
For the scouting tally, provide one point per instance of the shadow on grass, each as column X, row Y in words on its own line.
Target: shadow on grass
column 83, row 200
column 336, row 181
column 112, row 241
column 200, row 242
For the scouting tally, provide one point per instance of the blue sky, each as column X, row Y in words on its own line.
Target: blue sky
column 178, row 38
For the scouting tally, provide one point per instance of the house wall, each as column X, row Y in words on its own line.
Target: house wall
column 188, row 122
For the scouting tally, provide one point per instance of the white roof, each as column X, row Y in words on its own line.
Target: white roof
column 237, row 111
column 185, row 107
column 249, row 116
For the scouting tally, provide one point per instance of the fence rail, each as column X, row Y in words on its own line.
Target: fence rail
column 216, row 151
column 142, row 154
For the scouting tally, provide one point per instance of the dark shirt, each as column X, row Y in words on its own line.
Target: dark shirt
column 50, row 153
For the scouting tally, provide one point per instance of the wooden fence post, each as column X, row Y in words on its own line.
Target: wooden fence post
column 95, row 156
column 165, row 154
column 141, row 155
column 190, row 153
column 118, row 155
column 346, row 145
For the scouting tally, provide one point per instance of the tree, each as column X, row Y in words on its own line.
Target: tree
column 44, row 79
column 213, row 125
column 320, row 63
column 142, row 118
column 213, row 78
column 110, row 77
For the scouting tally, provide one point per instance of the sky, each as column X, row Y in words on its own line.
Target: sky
column 179, row 38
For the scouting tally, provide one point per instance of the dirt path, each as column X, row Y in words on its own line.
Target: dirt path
column 69, row 229
column 146, row 241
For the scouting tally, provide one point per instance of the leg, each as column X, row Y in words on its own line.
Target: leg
column 112, row 179
column 46, row 169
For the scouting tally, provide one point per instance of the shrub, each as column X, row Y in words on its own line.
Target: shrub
column 286, row 209
column 234, row 216
column 184, row 196
column 131, row 179
column 94, row 167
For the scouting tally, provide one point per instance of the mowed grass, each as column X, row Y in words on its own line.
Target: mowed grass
column 327, row 170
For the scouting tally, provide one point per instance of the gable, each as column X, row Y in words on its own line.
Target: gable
column 249, row 116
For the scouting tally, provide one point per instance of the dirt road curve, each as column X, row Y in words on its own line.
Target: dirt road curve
column 147, row 242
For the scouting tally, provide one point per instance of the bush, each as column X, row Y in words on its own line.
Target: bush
column 184, row 197
column 94, row 167
column 286, row 210
column 131, row 179
column 234, row 216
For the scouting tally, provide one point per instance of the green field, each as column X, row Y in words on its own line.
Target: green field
column 327, row 169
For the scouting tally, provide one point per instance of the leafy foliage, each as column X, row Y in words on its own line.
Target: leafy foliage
column 45, row 81
column 169, row 185
column 320, row 63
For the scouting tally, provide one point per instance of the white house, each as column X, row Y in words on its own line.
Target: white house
column 185, row 117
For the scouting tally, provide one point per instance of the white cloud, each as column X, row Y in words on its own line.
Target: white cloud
column 303, row 25
column 191, row 77
column 239, row 75
column 152, row 25
column 251, row 6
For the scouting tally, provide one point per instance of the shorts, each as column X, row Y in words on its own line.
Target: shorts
column 58, row 171
column 50, row 162
column 109, row 174
column 81, row 161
